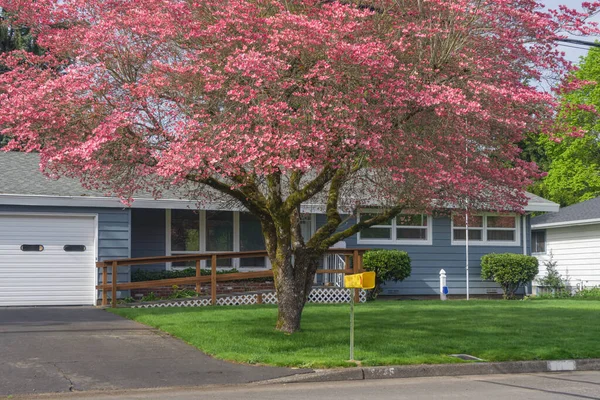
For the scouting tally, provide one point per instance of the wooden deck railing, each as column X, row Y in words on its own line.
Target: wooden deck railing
column 352, row 256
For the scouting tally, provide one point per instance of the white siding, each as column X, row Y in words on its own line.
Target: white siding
column 52, row 276
column 576, row 249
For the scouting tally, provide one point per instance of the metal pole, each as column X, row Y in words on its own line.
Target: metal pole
column 467, row 247
column 351, row 293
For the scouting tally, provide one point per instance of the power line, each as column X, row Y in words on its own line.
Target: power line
column 579, row 42
column 574, row 47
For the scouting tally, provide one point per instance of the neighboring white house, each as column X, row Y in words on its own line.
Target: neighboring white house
column 572, row 237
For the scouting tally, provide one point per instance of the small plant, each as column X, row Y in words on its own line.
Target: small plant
column 150, row 297
column 553, row 279
column 509, row 270
column 127, row 300
column 388, row 265
column 182, row 293
column 588, row 294
column 556, row 295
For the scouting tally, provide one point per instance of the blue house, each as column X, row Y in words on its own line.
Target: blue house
column 53, row 232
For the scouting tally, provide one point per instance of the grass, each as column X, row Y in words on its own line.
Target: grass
column 388, row 332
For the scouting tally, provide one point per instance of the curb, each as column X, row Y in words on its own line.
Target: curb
column 432, row 370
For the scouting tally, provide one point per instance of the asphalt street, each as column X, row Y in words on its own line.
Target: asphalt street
column 546, row 386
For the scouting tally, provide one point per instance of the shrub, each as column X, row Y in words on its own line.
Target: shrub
column 555, row 295
column 140, row 275
column 388, row 265
column 588, row 294
column 509, row 270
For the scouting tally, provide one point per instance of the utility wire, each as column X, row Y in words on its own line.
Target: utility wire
column 579, row 42
column 574, row 47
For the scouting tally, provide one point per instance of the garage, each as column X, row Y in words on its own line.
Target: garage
column 47, row 259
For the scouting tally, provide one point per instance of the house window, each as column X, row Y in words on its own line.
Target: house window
column 486, row 229
column 501, row 228
column 190, row 232
column 251, row 238
column 403, row 229
column 219, row 234
column 185, row 235
column 32, row 247
column 459, row 227
column 411, row 227
column 74, row 247
column 381, row 231
column 538, row 242
column 185, row 230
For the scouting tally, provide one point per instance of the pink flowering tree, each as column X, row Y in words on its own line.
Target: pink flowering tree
column 407, row 105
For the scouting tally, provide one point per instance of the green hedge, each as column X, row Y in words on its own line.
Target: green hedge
column 140, row 275
column 388, row 265
column 509, row 270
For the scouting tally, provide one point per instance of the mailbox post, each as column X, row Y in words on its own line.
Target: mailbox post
column 366, row 280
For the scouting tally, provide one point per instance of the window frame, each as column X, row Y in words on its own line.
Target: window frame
column 545, row 232
column 484, row 238
column 202, row 245
column 394, row 226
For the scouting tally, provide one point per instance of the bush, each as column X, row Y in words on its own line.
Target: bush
column 555, row 295
column 509, row 270
column 140, row 275
column 588, row 294
column 583, row 294
column 388, row 265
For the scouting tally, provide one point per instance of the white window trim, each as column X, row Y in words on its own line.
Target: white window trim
column 415, row 242
column 540, row 253
column 485, row 241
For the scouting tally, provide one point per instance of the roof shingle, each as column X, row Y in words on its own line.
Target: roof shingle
column 589, row 209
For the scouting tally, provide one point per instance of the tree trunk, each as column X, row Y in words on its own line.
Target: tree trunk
column 294, row 278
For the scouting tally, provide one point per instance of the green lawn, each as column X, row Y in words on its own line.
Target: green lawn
column 389, row 332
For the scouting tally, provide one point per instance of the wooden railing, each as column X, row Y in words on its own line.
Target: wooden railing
column 352, row 256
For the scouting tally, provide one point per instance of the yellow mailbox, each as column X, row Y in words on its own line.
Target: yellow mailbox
column 366, row 280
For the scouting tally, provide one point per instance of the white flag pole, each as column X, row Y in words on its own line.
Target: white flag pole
column 467, row 247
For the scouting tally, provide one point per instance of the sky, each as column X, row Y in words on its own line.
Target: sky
column 572, row 54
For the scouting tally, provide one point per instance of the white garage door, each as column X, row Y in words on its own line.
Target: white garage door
column 47, row 260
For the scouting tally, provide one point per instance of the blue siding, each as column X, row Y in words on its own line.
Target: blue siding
column 427, row 260
column 148, row 235
column 113, row 230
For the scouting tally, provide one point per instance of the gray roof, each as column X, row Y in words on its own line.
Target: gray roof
column 587, row 210
column 20, row 176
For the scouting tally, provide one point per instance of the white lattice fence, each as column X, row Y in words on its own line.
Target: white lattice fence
column 317, row 295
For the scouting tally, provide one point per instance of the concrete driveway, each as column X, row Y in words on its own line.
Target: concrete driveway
column 82, row 348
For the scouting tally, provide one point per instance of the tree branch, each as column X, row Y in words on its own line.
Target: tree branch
column 311, row 189
column 390, row 213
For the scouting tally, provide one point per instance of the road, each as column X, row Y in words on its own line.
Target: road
column 546, row 386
